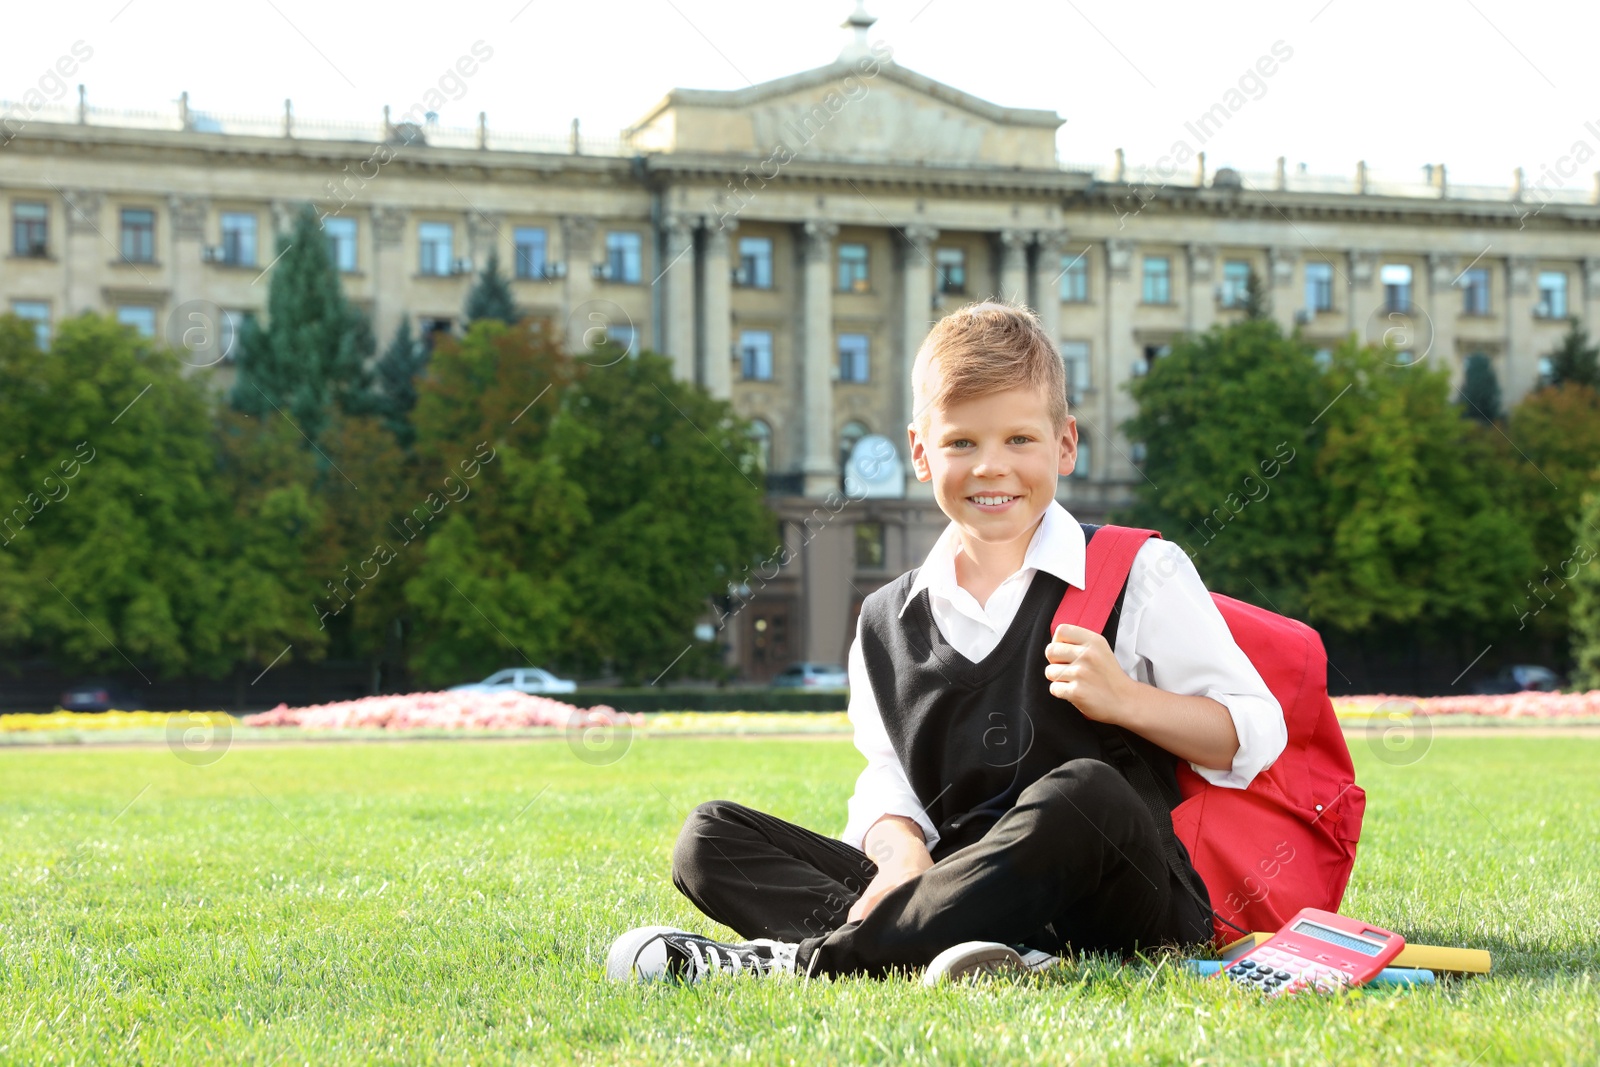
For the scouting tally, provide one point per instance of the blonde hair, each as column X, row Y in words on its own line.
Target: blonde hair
column 988, row 347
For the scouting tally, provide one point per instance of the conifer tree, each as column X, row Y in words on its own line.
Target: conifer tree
column 1575, row 359
column 395, row 382
column 490, row 297
column 1257, row 301
column 311, row 354
column 1480, row 390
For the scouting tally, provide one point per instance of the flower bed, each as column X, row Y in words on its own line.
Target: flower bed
column 443, row 711
column 101, row 720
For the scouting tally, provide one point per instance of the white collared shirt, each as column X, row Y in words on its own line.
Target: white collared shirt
column 1170, row 635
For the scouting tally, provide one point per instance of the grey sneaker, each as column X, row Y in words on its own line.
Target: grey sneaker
column 654, row 953
column 972, row 958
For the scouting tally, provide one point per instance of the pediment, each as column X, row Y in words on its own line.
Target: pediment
column 857, row 111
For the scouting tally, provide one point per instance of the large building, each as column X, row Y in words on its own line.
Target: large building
column 788, row 246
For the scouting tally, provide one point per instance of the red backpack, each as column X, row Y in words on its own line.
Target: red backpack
column 1289, row 840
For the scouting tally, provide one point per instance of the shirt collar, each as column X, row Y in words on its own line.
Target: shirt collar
column 1057, row 548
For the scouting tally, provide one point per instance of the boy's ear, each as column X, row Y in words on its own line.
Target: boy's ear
column 1069, row 446
column 919, row 458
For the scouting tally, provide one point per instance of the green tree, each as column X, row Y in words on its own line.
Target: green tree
column 1583, row 571
column 490, row 297
column 1229, row 424
column 1480, row 390
column 1417, row 541
column 310, row 357
column 500, row 513
column 672, row 515
column 1575, row 360
column 1257, row 300
column 395, row 382
column 136, row 542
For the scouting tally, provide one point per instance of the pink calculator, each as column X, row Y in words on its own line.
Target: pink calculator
column 1316, row 951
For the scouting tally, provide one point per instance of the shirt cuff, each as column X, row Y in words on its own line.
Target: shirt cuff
column 1262, row 734
column 862, row 819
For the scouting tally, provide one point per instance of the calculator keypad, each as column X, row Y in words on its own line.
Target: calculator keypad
column 1274, row 972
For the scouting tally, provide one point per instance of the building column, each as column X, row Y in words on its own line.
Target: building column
column 818, row 357
column 390, row 272
column 1045, row 297
column 483, row 237
column 1591, row 294
column 577, row 246
column 678, row 295
column 1202, row 309
column 1115, row 405
column 1442, row 311
column 716, row 309
column 1014, row 265
column 86, row 246
column 189, row 214
column 1280, row 285
column 1522, row 361
column 1359, row 307
column 916, row 308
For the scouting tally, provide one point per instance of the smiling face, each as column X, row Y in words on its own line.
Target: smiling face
column 994, row 461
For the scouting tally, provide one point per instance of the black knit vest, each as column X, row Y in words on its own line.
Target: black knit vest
column 972, row 736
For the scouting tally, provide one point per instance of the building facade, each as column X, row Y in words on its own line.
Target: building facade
column 788, row 245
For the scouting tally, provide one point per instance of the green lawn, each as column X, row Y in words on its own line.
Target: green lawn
column 453, row 901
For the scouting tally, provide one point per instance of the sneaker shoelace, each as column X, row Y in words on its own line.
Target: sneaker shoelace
column 707, row 957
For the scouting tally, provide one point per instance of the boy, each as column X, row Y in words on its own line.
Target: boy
column 988, row 810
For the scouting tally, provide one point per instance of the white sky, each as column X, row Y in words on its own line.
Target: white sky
column 1481, row 85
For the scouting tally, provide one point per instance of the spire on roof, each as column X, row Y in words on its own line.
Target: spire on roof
column 859, row 21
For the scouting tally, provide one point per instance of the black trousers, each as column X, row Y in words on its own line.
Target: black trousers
column 1075, row 865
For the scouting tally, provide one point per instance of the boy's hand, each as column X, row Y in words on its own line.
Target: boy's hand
column 1083, row 669
column 893, row 872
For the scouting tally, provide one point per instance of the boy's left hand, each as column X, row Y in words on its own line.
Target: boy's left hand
column 1083, row 669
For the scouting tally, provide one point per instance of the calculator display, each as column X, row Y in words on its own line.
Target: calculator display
column 1334, row 937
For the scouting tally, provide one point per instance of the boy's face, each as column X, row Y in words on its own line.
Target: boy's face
column 994, row 461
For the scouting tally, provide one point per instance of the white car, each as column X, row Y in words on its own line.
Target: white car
column 531, row 680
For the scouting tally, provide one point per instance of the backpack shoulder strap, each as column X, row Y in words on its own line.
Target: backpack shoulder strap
column 1108, row 557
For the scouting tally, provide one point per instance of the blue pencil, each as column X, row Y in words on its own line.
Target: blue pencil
column 1397, row 976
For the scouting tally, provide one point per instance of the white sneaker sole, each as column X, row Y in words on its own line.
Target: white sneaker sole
column 622, row 960
column 972, row 958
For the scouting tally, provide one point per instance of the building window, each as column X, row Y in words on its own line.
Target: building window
column 432, row 330
column 853, row 268
column 624, row 337
column 238, row 239
column 624, row 257
column 1396, row 278
column 1323, row 358
column 232, row 323
column 531, row 250
column 869, row 545
column 1147, row 359
column 761, row 434
column 853, row 348
column 38, row 313
column 138, row 235
column 1075, row 278
column 1547, row 371
column 30, row 229
column 1082, row 467
column 1319, row 287
column 1157, row 280
column 755, row 263
column 1235, row 283
column 853, row 432
column 951, row 265
column 435, row 240
column 755, row 355
column 1075, row 360
column 1552, row 295
column 1475, row 291
column 341, row 234
column 141, row 317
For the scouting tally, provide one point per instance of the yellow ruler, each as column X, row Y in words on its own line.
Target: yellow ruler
column 1426, row 957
